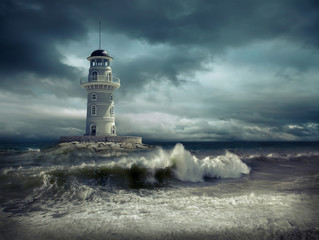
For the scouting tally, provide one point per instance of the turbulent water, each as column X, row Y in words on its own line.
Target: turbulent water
column 173, row 191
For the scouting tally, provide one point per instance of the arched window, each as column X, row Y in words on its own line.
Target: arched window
column 93, row 110
column 109, row 77
column 94, row 97
column 94, row 76
column 112, row 111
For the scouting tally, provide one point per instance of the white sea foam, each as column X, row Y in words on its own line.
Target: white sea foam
column 170, row 214
column 187, row 167
column 68, row 197
column 7, row 170
column 34, row 150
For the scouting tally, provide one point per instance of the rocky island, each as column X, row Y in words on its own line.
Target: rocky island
column 104, row 147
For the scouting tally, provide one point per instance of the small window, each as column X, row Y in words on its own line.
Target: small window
column 93, row 110
column 94, row 97
column 111, row 97
column 109, row 77
column 94, row 76
column 112, row 111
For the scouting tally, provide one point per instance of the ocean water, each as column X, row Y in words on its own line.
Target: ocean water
column 211, row 190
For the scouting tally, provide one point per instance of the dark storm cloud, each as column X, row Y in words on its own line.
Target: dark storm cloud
column 215, row 24
column 212, row 26
column 278, row 38
column 31, row 30
column 165, row 67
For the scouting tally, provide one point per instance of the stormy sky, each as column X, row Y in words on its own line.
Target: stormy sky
column 190, row 70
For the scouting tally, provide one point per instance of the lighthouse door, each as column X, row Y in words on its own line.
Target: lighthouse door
column 93, row 130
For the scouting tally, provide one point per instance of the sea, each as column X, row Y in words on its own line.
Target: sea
column 175, row 190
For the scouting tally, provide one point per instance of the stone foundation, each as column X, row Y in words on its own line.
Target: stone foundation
column 115, row 139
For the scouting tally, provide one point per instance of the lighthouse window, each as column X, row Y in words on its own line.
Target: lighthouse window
column 111, row 97
column 93, row 110
column 94, row 97
column 112, row 111
column 99, row 62
column 94, row 76
column 109, row 77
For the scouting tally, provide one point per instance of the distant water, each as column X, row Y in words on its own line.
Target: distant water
column 210, row 190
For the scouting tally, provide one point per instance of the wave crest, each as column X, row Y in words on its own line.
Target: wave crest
column 158, row 167
column 185, row 166
column 190, row 168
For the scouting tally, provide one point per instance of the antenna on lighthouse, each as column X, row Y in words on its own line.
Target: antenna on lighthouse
column 100, row 35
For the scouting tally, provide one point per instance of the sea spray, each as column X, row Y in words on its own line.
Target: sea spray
column 189, row 168
column 185, row 166
column 155, row 168
column 158, row 167
column 67, row 192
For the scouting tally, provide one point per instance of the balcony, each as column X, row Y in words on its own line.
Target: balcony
column 100, row 79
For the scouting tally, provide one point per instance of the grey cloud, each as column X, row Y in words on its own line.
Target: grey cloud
column 29, row 38
column 161, row 68
column 30, row 34
column 33, row 30
column 193, row 33
column 217, row 24
column 37, row 129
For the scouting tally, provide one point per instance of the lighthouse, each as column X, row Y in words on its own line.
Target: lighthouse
column 100, row 117
column 100, row 85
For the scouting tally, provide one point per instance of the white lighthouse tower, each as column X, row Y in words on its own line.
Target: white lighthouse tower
column 100, row 85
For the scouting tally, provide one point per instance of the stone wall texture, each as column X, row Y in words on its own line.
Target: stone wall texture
column 116, row 139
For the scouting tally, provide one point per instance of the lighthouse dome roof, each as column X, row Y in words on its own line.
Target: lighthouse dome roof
column 100, row 53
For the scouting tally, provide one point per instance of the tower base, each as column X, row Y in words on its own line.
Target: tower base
column 115, row 139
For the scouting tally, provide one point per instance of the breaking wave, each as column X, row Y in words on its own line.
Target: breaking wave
column 147, row 169
column 182, row 165
column 70, row 192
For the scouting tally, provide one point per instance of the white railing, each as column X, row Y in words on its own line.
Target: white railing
column 100, row 78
